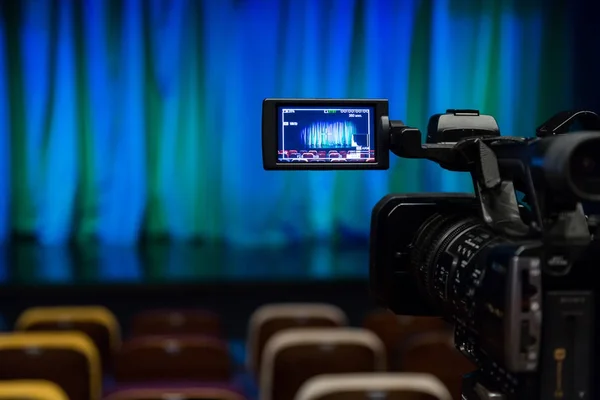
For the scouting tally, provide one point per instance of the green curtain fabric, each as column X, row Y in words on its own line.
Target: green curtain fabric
column 124, row 119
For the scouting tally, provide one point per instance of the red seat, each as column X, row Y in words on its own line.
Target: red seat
column 293, row 356
column 270, row 319
column 178, row 391
column 394, row 330
column 434, row 353
column 176, row 322
column 173, row 358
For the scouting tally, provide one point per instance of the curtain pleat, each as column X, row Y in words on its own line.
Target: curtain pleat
column 121, row 120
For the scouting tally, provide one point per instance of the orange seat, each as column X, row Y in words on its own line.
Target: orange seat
column 173, row 358
column 272, row 318
column 97, row 322
column 393, row 330
column 31, row 390
column 293, row 356
column 176, row 322
column 68, row 359
column 388, row 386
column 434, row 353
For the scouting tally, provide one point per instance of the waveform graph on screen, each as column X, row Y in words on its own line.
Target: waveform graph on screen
column 339, row 134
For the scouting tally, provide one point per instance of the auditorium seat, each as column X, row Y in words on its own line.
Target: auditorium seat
column 173, row 359
column 334, row 155
column 272, row 318
column 31, row 390
column 293, row 356
column 388, row 386
column 68, row 359
column 179, row 392
column 434, row 353
column 308, row 155
column 313, row 151
column 175, row 322
column 393, row 330
column 97, row 322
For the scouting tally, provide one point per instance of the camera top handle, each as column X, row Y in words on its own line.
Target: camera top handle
column 501, row 164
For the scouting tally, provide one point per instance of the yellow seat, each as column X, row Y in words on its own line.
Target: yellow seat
column 68, row 359
column 31, row 390
column 99, row 323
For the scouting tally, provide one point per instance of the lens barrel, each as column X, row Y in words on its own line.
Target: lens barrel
column 444, row 260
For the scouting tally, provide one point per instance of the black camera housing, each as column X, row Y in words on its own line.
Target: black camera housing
column 511, row 264
column 394, row 221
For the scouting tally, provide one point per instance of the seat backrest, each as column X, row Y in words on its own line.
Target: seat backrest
column 388, row 386
column 176, row 322
column 187, row 392
column 31, row 390
column 293, row 356
column 394, row 330
column 434, row 353
column 99, row 323
column 68, row 359
column 173, row 358
column 272, row 318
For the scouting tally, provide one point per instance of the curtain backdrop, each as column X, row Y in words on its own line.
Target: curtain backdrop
column 126, row 119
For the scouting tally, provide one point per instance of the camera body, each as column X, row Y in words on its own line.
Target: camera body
column 510, row 265
column 431, row 254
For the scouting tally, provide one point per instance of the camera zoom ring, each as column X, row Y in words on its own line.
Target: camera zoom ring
column 422, row 246
column 441, row 274
column 435, row 247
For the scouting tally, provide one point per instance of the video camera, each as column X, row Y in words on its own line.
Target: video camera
column 510, row 265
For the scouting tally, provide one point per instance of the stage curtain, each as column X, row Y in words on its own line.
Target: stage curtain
column 121, row 120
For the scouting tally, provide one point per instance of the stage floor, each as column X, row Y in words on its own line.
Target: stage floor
column 27, row 264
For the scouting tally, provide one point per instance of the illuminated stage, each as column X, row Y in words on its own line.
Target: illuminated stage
column 230, row 280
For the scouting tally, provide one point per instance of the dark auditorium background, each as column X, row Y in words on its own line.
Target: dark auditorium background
column 130, row 137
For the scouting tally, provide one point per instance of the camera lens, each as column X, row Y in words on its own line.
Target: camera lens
column 444, row 260
column 585, row 167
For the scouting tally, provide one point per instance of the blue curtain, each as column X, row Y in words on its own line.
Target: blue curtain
column 133, row 118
